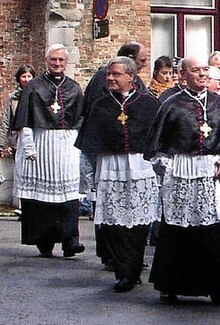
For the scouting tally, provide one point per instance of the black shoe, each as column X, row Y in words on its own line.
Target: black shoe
column 168, row 298
column 68, row 254
column 79, row 248
column 74, row 250
column 45, row 249
column 123, row 285
column 46, row 254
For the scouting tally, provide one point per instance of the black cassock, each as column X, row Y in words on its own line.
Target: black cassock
column 44, row 223
column 103, row 133
column 187, row 260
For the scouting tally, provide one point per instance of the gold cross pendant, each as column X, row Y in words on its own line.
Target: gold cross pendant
column 55, row 107
column 205, row 128
column 122, row 118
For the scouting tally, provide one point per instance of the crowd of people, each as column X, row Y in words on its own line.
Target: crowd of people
column 149, row 154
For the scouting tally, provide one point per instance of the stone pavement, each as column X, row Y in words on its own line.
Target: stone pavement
column 38, row 291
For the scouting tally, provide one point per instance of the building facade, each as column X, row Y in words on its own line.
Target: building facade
column 27, row 27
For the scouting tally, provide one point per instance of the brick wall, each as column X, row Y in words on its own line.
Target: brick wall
column 128, row 20
column 23, row 35
column 22, row 39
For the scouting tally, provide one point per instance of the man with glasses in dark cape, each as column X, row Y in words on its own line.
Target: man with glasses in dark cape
column 127, row 192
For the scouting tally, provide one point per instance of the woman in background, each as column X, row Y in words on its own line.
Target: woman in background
column 8, row 137
column 162, row 75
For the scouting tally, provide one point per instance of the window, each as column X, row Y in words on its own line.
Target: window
column 163, row 32
column 198, row 35
column 183, row 28
column 163, row 29
column 186, row 4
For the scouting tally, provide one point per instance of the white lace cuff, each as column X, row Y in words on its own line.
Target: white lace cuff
column 27, row 137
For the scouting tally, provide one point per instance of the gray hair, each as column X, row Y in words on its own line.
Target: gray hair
column 128, row 64
column 54, row 47
column 214, row 56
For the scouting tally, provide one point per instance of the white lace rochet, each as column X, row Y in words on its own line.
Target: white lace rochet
column 191, row 194
column 127, row 192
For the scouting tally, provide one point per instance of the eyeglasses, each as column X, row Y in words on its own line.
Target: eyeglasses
column 116, row 74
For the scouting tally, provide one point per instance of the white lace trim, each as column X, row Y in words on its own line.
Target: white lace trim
column 127, row 191
column 189, row 191
column 54, row 176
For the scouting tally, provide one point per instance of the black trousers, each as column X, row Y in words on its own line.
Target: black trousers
column 101, row 244
column 44, row 224
column 126, row 247
column 187, row 260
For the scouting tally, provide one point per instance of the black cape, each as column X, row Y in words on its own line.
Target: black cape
column 34, row 109
column 175, row 129
column 102, row 133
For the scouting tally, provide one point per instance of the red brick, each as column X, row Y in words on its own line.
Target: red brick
column 23, row 36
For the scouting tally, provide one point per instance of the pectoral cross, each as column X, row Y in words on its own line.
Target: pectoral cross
column 122, row 118
column 205, row 128
column 55, row 107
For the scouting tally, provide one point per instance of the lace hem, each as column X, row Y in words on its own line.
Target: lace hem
column 130, row 203
column 190, row 202
column 48, row 191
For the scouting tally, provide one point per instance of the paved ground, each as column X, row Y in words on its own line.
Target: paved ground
column 37, row 291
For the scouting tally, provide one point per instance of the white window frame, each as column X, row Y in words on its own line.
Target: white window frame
column 182, row 4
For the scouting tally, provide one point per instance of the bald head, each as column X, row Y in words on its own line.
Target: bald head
column 196, row 72
column 135, row 51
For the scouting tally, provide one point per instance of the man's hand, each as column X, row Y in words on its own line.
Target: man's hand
column 5, row 152
column 9, row 150
column 32, row 157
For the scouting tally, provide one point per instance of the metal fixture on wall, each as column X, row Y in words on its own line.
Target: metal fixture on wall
column 100, row 25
